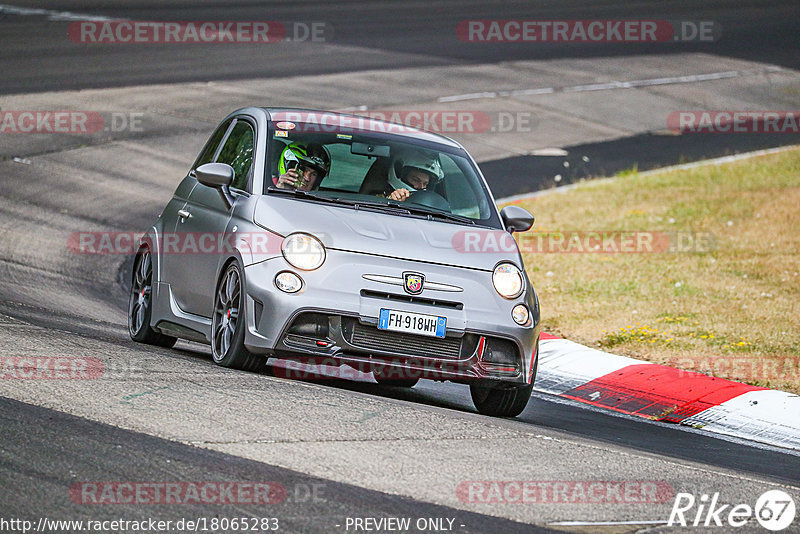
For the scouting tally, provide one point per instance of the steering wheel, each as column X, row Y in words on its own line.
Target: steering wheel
column 430, row 199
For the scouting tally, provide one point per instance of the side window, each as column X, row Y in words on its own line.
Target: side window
column 238, row 153
column 207, row 155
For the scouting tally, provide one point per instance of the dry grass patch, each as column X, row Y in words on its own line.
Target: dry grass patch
column 725, row 303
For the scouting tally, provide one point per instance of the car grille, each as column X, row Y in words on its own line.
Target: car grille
column 413, row 299
column 370, row 338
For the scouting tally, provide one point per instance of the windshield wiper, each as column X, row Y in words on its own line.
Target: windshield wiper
column 299, row 193
column 412, row 209
column 418, row 210
column 391, row 206
column 394, row 207
column 437, row 213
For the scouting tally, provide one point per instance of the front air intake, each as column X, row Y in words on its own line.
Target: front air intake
column 310, row 324
column 500, row 352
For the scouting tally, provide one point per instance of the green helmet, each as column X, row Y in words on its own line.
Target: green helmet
column 313, row 155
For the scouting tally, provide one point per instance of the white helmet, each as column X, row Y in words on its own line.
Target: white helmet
column 423, row 161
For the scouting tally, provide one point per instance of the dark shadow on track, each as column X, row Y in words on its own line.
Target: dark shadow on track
column 525, row 174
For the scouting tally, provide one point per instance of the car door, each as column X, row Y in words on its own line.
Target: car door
column 204, row 220
column 172, row 263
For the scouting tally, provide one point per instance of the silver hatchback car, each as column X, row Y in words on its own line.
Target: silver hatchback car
column 333, row 239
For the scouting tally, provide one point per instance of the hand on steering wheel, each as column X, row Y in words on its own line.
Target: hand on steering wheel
column 400, row 195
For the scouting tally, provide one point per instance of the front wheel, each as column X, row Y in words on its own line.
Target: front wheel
column 506, row 402
column 140, row 304
column 228, row 324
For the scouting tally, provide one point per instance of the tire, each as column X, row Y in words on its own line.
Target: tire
column 228, row 323
column 506, row 402
column 140, row 303
column 384, row 378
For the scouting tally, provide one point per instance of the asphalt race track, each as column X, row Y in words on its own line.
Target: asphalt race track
column 386, row 35
column 161, row 416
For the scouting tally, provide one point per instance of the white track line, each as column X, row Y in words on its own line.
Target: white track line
column 6, row 9
column 605, row 523
column 692, row 78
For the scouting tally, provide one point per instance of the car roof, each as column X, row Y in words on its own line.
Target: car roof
column 365, row 124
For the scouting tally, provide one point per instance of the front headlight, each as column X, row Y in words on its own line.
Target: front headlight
column 507, row 280
column 303, row 251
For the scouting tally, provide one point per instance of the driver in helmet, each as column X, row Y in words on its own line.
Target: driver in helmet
column 415, row 171
column 302, row 166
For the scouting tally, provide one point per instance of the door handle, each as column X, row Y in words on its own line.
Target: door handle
column 183, row 214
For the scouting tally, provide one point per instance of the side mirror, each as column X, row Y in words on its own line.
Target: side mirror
column 516, row 219
column 215, row 174
column 219, row 176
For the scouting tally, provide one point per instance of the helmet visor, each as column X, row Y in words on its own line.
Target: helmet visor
column 416, row 178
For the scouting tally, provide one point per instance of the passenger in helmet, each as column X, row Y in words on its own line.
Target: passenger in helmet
column 302, row 166
column 413, row 171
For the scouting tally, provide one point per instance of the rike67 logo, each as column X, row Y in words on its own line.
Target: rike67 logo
column 774, row 510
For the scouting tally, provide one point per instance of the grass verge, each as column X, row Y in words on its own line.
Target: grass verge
column 696, row 268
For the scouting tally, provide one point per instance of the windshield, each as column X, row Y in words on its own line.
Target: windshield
column 383, row 171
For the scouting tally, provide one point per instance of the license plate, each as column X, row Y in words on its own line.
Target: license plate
column 412, row 323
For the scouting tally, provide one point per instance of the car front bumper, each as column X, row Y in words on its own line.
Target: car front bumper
column 334, row 317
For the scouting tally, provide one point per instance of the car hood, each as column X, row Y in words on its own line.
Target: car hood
column 372, row 232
